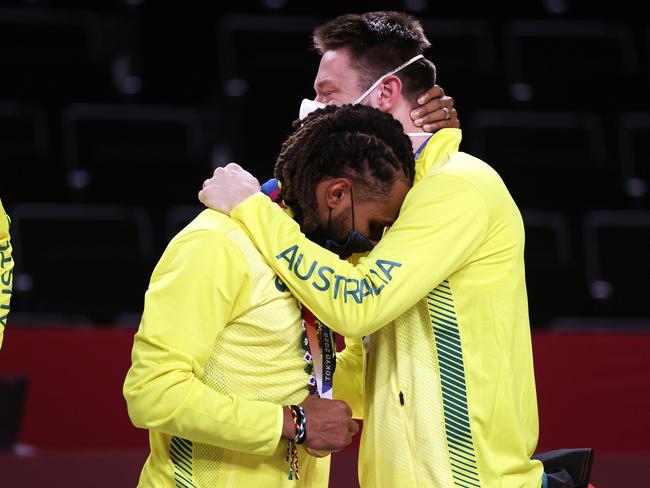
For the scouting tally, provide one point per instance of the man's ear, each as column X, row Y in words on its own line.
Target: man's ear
column 337, row 191
column 389, row 93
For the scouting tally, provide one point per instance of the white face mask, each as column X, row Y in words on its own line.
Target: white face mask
column 308, row 106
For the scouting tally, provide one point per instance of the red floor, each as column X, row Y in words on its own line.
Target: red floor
column 110, row 469
column 593, row 390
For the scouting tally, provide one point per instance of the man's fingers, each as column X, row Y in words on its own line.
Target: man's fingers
column 230, row 166
column 342, row 405
column 442, row 115
column 203, row 197
column 432, row 117
column 353, row 427
column 229, row 170
column 435, row 125
column 435, row 92
column 433, row 111
column 447, row 102
column 348, row 409
column 426, row 110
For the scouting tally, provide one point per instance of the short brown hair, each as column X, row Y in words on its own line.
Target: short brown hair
column 379, row 42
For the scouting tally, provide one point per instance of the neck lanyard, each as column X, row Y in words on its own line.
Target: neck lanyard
column 321, row 341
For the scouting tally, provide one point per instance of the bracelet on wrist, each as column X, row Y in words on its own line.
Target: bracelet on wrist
column 300, row 423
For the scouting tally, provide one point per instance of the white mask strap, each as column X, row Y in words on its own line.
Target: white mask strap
column 382, row 78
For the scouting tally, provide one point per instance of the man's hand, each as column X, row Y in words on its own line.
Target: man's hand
column 329, row 425
column 228, row 187
column 436, row 111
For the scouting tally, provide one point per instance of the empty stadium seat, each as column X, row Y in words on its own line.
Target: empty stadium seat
column 28, row 170
column 23, row 130
column 551, row 274
column 634, row 146
column 250, row 77
column 552, row 160
column 92, row 260
column 617, row 261
column 571, row 63
column 143, row 154
column 465, row 50
column 50, row 54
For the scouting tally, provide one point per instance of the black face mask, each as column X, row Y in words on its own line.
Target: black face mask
column 355, row 242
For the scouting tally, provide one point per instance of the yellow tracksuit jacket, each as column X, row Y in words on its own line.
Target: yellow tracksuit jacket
column 450, row 396
column 218, row 351
column 6, row 270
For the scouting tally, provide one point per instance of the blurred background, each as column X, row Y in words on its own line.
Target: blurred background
column 112, row 113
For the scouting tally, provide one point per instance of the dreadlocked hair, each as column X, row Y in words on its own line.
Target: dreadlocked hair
column 353, row 141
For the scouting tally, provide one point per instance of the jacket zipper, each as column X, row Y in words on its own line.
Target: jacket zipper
column 411, row 441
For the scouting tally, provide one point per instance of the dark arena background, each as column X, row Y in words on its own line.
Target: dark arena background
column 113, row 113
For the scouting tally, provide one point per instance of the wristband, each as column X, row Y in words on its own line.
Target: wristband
column 300, row 423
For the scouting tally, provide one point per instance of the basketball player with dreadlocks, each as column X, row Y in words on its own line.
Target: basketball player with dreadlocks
column 218, row 372
column 450, row 396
